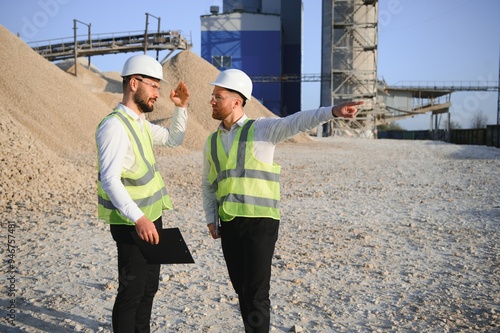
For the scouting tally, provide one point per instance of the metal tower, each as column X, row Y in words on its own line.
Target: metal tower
column 349, row 58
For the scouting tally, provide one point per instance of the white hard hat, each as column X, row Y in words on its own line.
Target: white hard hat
column 235, row 79
column 143, row 65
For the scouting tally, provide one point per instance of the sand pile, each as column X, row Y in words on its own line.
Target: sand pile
column 52, row 105
column 33, row 178
column 47, row 121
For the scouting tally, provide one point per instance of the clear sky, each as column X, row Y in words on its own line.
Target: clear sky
column 419, row 40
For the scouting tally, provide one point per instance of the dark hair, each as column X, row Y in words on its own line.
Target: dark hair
column 125, row 82
column 126, row 79
column 244, row 99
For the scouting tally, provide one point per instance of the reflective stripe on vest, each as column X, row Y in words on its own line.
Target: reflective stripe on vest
column 145, row 185
column 244, row 186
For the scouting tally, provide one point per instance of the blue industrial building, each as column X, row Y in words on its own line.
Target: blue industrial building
column 262, row 38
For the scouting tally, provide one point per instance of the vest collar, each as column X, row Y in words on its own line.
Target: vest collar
column 131, row 113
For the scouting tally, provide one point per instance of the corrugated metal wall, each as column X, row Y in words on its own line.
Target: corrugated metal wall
column 262, row 38
column 252, row 42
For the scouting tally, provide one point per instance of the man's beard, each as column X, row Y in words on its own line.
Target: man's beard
column 220, row 114
column 141, row 103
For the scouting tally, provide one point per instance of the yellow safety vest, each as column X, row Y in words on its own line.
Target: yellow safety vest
column 145, row 185
column 244, row 186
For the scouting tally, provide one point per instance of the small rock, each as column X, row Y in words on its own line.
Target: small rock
column 296, row 328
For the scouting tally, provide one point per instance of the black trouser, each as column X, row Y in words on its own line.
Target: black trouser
column 248, row 247
column 137, row 283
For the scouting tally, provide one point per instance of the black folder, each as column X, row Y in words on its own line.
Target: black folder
column 172, row 249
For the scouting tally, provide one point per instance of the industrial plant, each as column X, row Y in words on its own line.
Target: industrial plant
column 264, row 39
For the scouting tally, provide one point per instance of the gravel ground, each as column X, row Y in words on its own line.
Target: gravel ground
column 376, row 236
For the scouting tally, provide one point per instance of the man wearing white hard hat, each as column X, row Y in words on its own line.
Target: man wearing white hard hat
column 241, row 188
column 131, row 191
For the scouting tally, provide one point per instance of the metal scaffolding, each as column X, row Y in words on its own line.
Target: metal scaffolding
column 349, row 57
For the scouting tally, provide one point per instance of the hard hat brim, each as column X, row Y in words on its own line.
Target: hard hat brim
column 229, row 88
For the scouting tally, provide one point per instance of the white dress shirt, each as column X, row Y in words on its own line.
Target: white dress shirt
column 267, row 133
column 116, row 154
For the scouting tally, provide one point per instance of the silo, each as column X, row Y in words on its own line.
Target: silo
column 255, row 36
column 248, row 6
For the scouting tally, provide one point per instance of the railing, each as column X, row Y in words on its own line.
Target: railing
column 447, row 85
column 99, row 44
column 71, row 40
column 291, row 78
